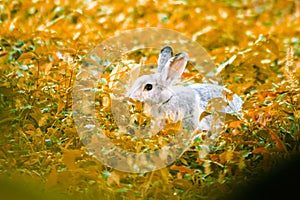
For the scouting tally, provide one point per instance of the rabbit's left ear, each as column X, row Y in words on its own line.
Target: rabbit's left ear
column 165, row 54
column 174, row 68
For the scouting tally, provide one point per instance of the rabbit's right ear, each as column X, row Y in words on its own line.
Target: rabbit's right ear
column 174, row 68
column 165, row 54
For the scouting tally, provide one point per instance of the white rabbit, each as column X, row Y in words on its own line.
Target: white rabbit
column 164, row 99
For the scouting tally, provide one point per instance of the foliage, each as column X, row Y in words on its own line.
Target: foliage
column 255, row 45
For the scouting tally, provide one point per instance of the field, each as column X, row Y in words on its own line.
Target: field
column 43, row 45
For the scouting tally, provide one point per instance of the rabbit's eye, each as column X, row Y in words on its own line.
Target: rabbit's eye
column 148, row 87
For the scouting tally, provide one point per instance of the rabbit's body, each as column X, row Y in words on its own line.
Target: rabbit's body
column 207, row 92
column 175, row 109
column 168, row 103
column 165, row 100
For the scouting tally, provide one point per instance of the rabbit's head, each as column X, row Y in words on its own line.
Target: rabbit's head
column 157, row 88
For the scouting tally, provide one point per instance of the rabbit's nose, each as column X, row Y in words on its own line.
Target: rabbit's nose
column 133, row 96
column 130, row 97
column 127, row 95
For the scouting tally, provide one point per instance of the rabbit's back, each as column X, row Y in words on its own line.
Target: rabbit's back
column 207, row 92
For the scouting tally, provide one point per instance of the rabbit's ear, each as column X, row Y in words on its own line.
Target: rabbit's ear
column 165, row 54
column 174, row 68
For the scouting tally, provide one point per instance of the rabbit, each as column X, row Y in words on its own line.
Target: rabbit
column 163, row 98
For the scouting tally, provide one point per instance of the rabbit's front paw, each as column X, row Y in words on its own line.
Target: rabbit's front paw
column 173, row 116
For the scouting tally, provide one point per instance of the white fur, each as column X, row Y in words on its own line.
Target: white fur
column 176, row 102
